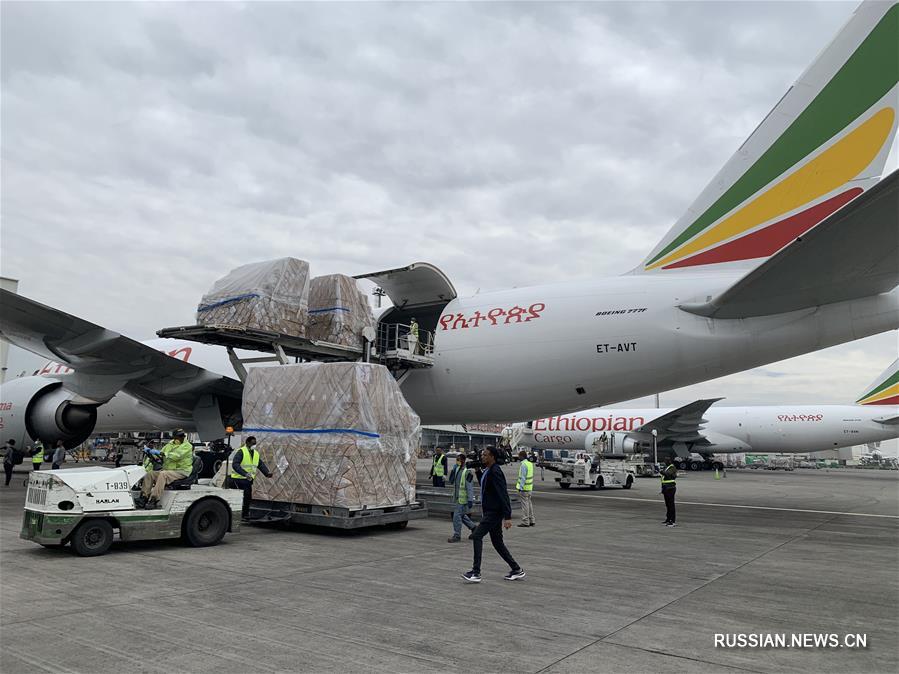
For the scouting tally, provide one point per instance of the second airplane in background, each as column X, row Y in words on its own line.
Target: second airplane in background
column 701, row 428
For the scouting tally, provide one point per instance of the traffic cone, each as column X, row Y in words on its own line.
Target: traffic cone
column 717, row 474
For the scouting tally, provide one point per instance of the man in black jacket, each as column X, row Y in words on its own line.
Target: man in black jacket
column 497, row 515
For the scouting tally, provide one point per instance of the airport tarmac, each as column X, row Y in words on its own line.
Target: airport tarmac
column 608, row 588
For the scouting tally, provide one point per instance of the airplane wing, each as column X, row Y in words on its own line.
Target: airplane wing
column 853, row 253
column 106, row 362
column 681, row 425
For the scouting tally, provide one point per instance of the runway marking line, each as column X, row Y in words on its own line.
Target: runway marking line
column 736, row 505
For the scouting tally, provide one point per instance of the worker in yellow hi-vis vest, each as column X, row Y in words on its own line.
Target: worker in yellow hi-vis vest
column 37, row 458
column 669, row 489
column 438, row 468
column 247, row 461
column 525, row 486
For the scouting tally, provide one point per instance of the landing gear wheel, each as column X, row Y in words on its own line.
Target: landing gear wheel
column 92, row 538
column 695, row 465
column 565, row 485
column 629, row 482
column 206, row 523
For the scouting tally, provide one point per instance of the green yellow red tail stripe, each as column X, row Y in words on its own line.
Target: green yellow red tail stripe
column 806, row 172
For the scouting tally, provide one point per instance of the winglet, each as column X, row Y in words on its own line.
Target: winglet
column 884, row 390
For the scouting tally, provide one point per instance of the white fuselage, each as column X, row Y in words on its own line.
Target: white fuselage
column 763, row 428
column 530, row 352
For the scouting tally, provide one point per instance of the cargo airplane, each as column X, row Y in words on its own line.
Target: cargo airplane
column 705, row 428
column 792, row 247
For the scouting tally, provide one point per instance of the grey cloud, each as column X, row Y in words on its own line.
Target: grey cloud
column 148, row 147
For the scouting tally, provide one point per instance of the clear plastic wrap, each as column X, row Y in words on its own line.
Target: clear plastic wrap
column 271, row 295
column 338, row 310
column 333, row 434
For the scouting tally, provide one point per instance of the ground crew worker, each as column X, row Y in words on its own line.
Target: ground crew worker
column 413, row 336
column 59, row 454
column 525, row 486
column 11, row 457
column 463, row 498
column 438, row 468
column 669, row 488
column 247, row 461
column 177, row 463
column 37, row 458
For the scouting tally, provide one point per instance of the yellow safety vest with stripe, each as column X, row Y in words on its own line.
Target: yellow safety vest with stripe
column 249, row 463
column 38, row 455
column 438, row 465
column 528, row 483
column 461, row 485
column 664, row 476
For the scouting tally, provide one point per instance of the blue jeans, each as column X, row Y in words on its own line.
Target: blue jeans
column 460, row 517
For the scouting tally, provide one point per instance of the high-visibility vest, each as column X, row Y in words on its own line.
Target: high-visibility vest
column 249, row 463
column 38, row 455
column 413, row 329
column 148, row 465
column 461, row 485
column 666, row 480
column 438, row 465
column 529, row 476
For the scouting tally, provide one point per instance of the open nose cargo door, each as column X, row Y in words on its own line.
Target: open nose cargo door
column 419, row 291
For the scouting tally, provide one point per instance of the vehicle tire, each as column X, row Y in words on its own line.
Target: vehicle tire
column 717, row 466
column 92, row 538
column 628, row 483
column 206, row 523
column 565, row 485
column 681, row 466
column 216, row 466
column 695, row 465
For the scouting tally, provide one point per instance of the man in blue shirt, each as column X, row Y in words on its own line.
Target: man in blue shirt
column 497, row 509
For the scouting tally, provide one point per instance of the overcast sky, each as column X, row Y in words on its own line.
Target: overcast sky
column 148, row 148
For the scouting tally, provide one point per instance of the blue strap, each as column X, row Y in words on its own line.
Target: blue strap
column 230, row 300
column 309, row 431
column 321, row 311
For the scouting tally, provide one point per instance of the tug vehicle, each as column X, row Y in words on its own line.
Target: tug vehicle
column 87, row 507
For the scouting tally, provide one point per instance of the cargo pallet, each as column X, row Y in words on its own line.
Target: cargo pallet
column 393, row 517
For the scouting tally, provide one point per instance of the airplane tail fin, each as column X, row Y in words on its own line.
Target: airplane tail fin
column 823, row 144
column 885, row 389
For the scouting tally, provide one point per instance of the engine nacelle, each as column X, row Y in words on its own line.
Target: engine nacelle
column 39, row 408
column 615, row 443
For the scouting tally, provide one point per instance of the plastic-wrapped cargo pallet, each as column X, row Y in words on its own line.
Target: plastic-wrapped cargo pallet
column 333, row 434
column 338, row 310
column 271, row 296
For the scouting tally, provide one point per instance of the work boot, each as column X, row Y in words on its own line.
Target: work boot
column 151, row 504
column 453, row 539
column 140, row 501
column 524, row 524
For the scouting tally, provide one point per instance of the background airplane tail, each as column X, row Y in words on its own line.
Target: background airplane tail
column 823, row 144
column 885, row 389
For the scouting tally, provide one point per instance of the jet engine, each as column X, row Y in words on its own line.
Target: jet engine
column 630, row 443
column 37, row 408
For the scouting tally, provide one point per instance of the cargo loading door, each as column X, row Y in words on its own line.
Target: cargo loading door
column 418, row 285
column 419, row 291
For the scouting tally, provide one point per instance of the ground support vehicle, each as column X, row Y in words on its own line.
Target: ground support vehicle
column 391, row 516
column 591, row 471
column 88, row 506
